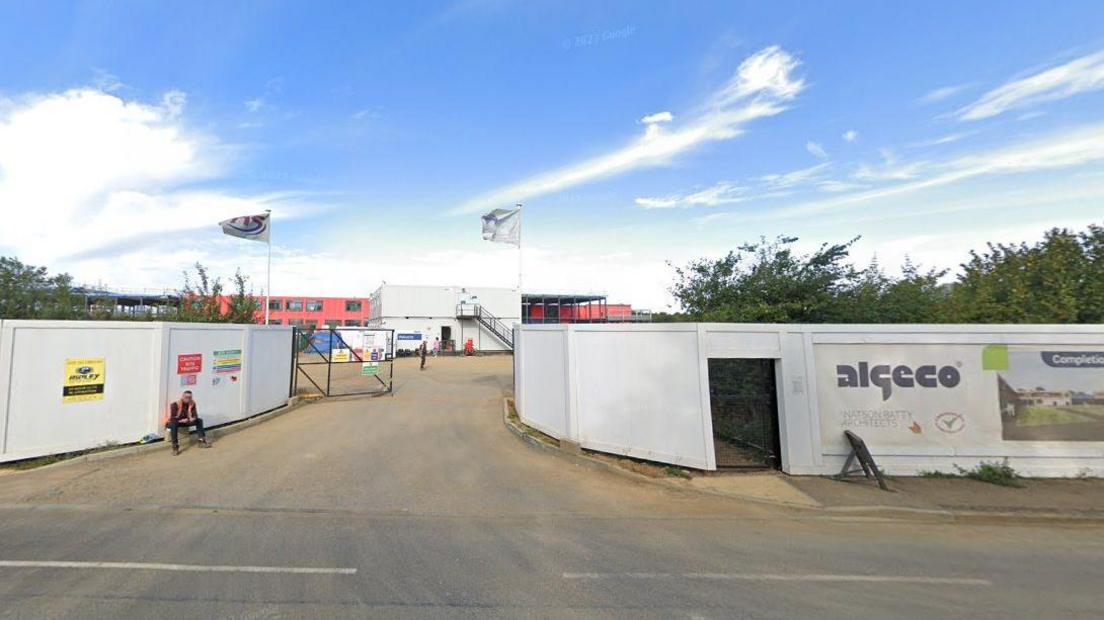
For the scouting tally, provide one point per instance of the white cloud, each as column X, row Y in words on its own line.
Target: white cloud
column 940, row 94
column 658, row 117
column 850, row 135
column 835, row 187
column 761, row 87
column 947, row 139
column 1080, row 75
column 720, row 194
column 816, row 150
column 666, row 202
column 889, row 170
column 86, row 173
column 795, row 177
column 1069, row 149
column 366, row 113
column 255, row 105
column 724, row 193
column 106, row 81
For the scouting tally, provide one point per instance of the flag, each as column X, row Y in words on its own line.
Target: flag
column 503, row 226
column 252, row 227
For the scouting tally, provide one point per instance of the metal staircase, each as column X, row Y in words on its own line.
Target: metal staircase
column 489, row 321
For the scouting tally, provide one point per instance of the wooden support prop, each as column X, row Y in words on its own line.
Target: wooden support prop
column 866, row 461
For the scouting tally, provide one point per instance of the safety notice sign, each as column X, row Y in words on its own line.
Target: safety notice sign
column 84, row 379
column 189, row 363
column 227, row 361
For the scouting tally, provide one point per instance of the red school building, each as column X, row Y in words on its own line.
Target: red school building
column 315, row 312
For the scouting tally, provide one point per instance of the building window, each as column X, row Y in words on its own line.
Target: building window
column 311, row 323
column 295, row 305
column 352, row 306
column 295, row 322
column 274, row 304
column 352, row 323
column 314, row 305
column 332, row 323
column 275, row 322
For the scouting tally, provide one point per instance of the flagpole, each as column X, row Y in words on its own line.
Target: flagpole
column 268, row 283
column 519, row 252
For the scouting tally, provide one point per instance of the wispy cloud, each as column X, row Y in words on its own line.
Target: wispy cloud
column 816, row 150
column 891, row 169
column 658, row 117
column 850, row 135
column 761, row 87
column 254, row 105
column 941, row 94
column 1080, row 75
column 947, row 139
column 720, row 194
column 833, row 186
column 1069, row 149
column 727, row 192
column 795, row 177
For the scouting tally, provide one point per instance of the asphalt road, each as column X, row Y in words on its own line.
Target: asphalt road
column 423, row 505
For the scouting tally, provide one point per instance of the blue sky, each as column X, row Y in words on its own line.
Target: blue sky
column 634, row 133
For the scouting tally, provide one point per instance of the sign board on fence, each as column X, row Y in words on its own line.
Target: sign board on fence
column 375, row 346
column 84, row 379
column 340, row 355
column 369, row 368
column 189, row 363
column 227, row 361
column 910, row 396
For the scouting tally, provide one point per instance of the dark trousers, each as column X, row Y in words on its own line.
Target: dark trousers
column 173, row 426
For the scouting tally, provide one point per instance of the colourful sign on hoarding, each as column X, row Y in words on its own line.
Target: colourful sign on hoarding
column 227, row 361
column 189, row 363
column 84, row 379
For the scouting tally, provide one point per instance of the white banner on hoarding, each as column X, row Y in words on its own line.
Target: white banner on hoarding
column 912, row 396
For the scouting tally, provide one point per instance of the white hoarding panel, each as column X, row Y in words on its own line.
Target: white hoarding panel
column 267, row 369
column 217, row 390
column 48, row 362
column 639, row 393
column 545, row 382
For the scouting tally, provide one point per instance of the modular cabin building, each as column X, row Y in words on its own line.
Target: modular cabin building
column 453, row 314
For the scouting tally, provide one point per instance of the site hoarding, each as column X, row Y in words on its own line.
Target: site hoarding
column 959, row 396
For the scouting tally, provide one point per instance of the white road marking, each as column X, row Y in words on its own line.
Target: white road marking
column 831, row 578
column 191, row 568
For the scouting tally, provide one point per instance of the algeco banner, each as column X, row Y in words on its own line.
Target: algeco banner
column 914, row 395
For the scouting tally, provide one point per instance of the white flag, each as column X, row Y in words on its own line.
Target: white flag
column 503, row 226
column 252, row 227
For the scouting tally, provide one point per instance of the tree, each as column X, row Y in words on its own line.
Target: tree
column 1057, row 280
column 768, row 282
column 29, row 292
column 243, row 306
column 202, row 299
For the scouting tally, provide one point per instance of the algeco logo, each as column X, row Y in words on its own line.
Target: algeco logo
column 885, row 377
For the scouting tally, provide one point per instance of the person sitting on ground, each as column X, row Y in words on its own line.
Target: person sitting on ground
column 183, row 413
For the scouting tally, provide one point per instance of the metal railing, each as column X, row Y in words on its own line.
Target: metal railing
column 487, row 320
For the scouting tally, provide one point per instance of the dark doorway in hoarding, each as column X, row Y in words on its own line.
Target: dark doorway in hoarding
column 744, row 408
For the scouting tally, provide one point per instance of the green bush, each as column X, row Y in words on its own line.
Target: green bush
column 994, row 472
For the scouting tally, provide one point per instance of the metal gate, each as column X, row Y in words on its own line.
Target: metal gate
column 343, row 361
column 744, row 410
